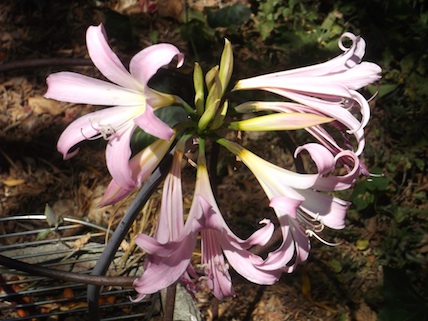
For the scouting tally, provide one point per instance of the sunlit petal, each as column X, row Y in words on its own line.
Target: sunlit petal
column 148, row 61
column 106, row 60
column 75, row 88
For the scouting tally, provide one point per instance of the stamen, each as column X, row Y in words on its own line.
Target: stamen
column 107, row 131
column 220, row 267
column 308, row 221
column 191, row 162
column 374, row 175
column 104, row 131
column 347, row 103
column 311, row 233
column 202, row 266
column 346, row 35
column 374, row 95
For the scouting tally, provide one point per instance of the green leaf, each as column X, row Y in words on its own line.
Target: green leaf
column 402, row 302
column 362, row 245
column 335, row 265
column 53, row 219
column 236, row 14
column 383, row 90
column 377, row 183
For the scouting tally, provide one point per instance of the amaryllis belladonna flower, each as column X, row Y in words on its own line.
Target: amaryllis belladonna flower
column 297, row 199
column 128, row 92
column 328, row 89
column 170, row 251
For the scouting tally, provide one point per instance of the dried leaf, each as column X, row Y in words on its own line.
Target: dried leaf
column 41, row 105
column 306, row 285
column 13, row 182
column 81, row 242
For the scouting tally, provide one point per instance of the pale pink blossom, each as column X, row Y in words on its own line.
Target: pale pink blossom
column 170, row 251
column 128, row 92
column 141, row 166
column 297, row 199
column 327, row 89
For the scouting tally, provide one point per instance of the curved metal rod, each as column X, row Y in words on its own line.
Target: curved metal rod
column 39, row 270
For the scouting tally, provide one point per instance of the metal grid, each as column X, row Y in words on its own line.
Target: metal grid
column 27, row 297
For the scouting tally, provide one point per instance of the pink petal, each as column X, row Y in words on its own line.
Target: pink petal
column 215, row 269
column 106, row 60
column 114, row 193
column 285, row 205
column 87, row 126
column 359, row 76
column 148, row 61
column 364, row 107
column 279, row 258
column 118, row 152
column 329, row 210
column 260, row 237
column 323, row 159
column 153, row 247
column 161, row 272
column 341, row 63
column 338, row 183
column 145, row 162
column 75, row 88
column 243, row 261
column 141, row 165
column 171, row 217
column 301, row 242
column 234, row 248
column 334, row 111
column 153, row 125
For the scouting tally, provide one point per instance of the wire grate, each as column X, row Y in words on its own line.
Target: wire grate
column 29, row 297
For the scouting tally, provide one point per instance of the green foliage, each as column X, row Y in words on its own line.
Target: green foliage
column 200, row 28
column 402, row 301
column 197, row 32
column 229, row 16
column 299, row 23
column 367, row 192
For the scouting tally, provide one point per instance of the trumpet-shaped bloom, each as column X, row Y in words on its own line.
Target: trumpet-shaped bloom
column 170, row 251
column 301, row 209
column 141, row 166
column 328, row 88
column 134, row 102
column 283, row 121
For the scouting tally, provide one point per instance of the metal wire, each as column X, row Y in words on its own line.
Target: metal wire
column 39, row 298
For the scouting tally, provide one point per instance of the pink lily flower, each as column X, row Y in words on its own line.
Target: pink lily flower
column 134, row 102
column 301, row 208
column 169, row 253
column 329, row 88
column 141, row 166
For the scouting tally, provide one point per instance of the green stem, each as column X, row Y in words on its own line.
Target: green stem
column 186, row 106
